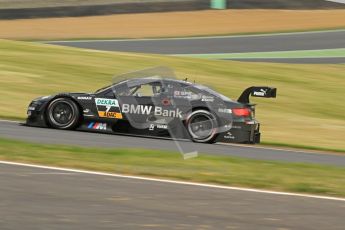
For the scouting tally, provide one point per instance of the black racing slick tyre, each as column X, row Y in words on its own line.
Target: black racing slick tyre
column 63, row 113
column 202, row 126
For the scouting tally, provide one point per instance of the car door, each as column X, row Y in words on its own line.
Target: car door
column 136, row 104
column 176, row 98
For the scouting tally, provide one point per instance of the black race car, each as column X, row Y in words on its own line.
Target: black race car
column 154, row 106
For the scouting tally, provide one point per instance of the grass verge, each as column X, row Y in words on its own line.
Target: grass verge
column 291, row 177
column 307, row 147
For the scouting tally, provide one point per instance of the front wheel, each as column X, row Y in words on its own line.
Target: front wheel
column 202, row 126
column 63, row 113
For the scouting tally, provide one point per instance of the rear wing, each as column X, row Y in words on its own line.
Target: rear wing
column 257, row 91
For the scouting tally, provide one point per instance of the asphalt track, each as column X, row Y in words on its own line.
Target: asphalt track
column 14, row 130
column 42, row 198
column 224, row 44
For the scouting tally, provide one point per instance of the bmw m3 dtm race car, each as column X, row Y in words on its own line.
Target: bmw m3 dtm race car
column 155, row 107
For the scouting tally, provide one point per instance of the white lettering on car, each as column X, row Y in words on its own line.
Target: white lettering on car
column 223, row 110
column 207, row 98
column 136, row 109
column 84, row 98
column 260, row 93
column 146, row 110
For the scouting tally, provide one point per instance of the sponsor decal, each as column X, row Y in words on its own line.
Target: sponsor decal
column 84, row 98
column 183, row 94
column 148, row 109
column 97, row 125
column 108, row 108
column 162, row 126
column 226, row 127
column 222, row 110
column 87, row 113
column 260, row 93
column 107, row 102
column 229, row 135
column 207, row 98
column 158, row 126
column 177, row 93
column 106, row 114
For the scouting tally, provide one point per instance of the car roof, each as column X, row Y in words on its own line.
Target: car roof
column 147, row 80
column 140, row 81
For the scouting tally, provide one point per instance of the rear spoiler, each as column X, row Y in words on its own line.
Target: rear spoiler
column 257, row 91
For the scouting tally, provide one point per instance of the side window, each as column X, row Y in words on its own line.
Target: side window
column 109, row 93
column 122, row 90
column 148, row 90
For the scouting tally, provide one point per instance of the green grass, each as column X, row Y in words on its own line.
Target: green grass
column 296, row 146
column 291, row 177
column 324, row 53
column 308, row 110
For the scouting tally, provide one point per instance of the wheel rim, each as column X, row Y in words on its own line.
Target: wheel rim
column 62, row 113
column 201, row 126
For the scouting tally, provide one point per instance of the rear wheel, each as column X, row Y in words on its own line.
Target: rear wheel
column 63, row 113
column 202, row 126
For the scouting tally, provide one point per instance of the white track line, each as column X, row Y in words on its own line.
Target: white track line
column 192, row 38
column 173, row 181
column 10, row 121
